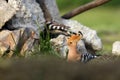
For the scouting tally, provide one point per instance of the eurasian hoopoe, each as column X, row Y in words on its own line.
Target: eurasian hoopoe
column 72, row 41
column 73, row 54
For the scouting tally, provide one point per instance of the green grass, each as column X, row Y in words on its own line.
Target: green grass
column 105, row 21
column 44, row 47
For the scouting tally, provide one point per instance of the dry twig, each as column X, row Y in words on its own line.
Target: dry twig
column 84, row 8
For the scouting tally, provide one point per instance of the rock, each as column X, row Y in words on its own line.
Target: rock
column 3, row 47
column 90, row 36
column 30, row 15
column 6, row 12
column 116, row 48
column 81, row 47
column 20, row 40
column 25, row 16
column 59, row 45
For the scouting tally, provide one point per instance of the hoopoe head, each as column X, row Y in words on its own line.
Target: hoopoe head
column 74, row 38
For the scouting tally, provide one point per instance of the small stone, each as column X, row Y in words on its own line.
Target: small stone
column 116, row 48
column 59, row 45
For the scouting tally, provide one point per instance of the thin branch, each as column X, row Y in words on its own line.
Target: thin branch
column 84, row 8
column 45, row 10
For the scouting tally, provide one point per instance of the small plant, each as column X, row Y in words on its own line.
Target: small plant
column 44, row 46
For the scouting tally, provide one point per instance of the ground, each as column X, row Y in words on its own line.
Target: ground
column 52, row 68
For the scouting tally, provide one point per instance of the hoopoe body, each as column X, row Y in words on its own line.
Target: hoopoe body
column 72, row 41
column 73, row 54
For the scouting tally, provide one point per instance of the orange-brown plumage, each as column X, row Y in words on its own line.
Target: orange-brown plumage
column 72, row 41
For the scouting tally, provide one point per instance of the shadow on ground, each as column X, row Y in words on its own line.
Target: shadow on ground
column 103, row 68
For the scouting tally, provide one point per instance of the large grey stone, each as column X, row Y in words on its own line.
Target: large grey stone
column 29, row 13
column 89, row 36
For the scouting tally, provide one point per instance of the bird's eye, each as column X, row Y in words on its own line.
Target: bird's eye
column 70, row 42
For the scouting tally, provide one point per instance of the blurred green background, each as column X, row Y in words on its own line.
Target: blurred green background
column 105, row 19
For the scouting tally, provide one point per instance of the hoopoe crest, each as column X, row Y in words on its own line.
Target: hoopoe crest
column 74, row 38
